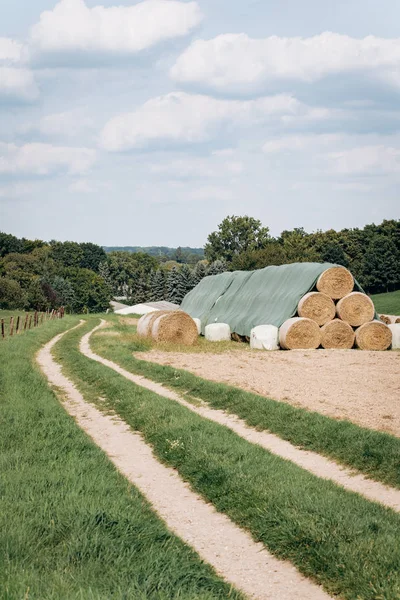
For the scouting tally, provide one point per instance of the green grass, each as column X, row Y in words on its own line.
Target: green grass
column 388, row 304
column 373, row 453
column 72, row 527
column 336, row 537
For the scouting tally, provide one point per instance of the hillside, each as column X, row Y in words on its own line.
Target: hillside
column 388, row 304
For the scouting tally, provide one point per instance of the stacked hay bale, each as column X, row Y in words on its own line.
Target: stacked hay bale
column 169, row 326
column 335, row 316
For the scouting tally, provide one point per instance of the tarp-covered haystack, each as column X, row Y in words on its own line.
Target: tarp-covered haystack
column 314, row 293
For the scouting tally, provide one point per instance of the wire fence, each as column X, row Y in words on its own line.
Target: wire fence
column 20, row 324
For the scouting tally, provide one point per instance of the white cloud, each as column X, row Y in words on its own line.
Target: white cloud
column 17, row 84
column 212, row 193
column 198, row 167
column 73, row 27
column 16, row 81
column 299, row 142
column 188, row 118
column 65, row 124
column 231, row 61
column 44, row 159
column 366, row 160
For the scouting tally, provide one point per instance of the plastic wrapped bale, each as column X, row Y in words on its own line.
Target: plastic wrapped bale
column 145, row 323
column 336, row 282
column 176, row 327
column 318, row 307
column 373, row 336
column 198, row 325
column 356, row 309
column 218, row 332
column 264, row 337
column 337, row 334
column 395, row 329
column 299, row 333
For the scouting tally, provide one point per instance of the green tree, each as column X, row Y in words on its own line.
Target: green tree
column 173, row 292
column 37, row 298
column 273, row 254
column 381, row 265
column 234, row 236
column 92, row 257
column 199, row 273
column 185, row 282
column 67, row 254
column 12, row 296
column 298, row 247
column 91, row 293
column 9, row 243
column 158, row 284
column 64, row 292
column 216, row 267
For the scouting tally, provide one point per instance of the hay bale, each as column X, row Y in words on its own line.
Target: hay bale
column 385, row 319
column 299, row 333
column 337, row 334
column 175, row 326
column 356, row 309
column 218, row 332
column 145, row 323
column 395, row 329
column 235, row 337
column 198, row 325
column 374, row 335
column 318, row 307
column 336, row 282
column 264, row 337
column 397, row 320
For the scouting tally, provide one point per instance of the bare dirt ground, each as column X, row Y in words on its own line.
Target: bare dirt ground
column 230, row 550
column 363, row 387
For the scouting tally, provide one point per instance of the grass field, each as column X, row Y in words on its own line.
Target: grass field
column 388, row 304
column 333, row 536
column 71, row 527
column 373, row 453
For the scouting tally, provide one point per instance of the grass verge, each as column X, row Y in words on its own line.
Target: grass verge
column 71, row 526
column 388, row 304
column 336, row 537
column 373, row 453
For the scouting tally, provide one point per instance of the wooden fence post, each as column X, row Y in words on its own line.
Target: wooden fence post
column 26, row 321
column 11, row 325
column 17, row 328
column 30, row 321
column 3, row 333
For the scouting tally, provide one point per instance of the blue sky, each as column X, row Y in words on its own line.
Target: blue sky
column 146, row 123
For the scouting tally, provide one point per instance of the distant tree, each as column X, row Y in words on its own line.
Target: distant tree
column 234, row 236
column 93, row 256
column 273, row 254
column 158, row 284
column 216, row 268
column 67, row 254
column 185, row 282
column 104, row 272
column 333, row 253
column 31, row 245
column 298, row 247
column 179, row 256
column 381, row 265
column 91, row 293
column 37, row 298
column 173, row 292
column 199, row 273
column 141, row 291
column 64, row 291
column 12, row 296
column 9, row 243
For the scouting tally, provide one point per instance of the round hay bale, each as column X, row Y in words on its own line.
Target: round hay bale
column 299, row 334
column 218, row 332
column 198, row 325
column 336, row 282
column 337, row 334
column 175, row 326
column 318, row 307
column 356, row 309
column 397, row 320
column 395, row 329
column 146, row 322
column 385, row 319
column 374, row 335
column 264, row 337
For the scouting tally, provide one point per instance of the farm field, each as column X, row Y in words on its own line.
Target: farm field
column 237, row 477
column 334, row 538
column 387, row 303
column 70, row 525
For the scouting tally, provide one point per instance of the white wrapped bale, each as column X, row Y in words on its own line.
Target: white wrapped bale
column 264, row 337
column 198, row 325
column 142, row 326
column 218, row 332
column 395, row 329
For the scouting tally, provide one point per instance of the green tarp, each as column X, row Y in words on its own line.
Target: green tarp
column 244, row 299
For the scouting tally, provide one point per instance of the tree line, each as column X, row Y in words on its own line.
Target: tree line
column 41, row 275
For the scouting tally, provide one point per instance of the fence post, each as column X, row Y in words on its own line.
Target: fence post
column 11, row 325
column 17, row 328
column 30, row 321
column 26, row 321
column 3, row 334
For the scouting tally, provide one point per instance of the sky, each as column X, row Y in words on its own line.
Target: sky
column 146, row 123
